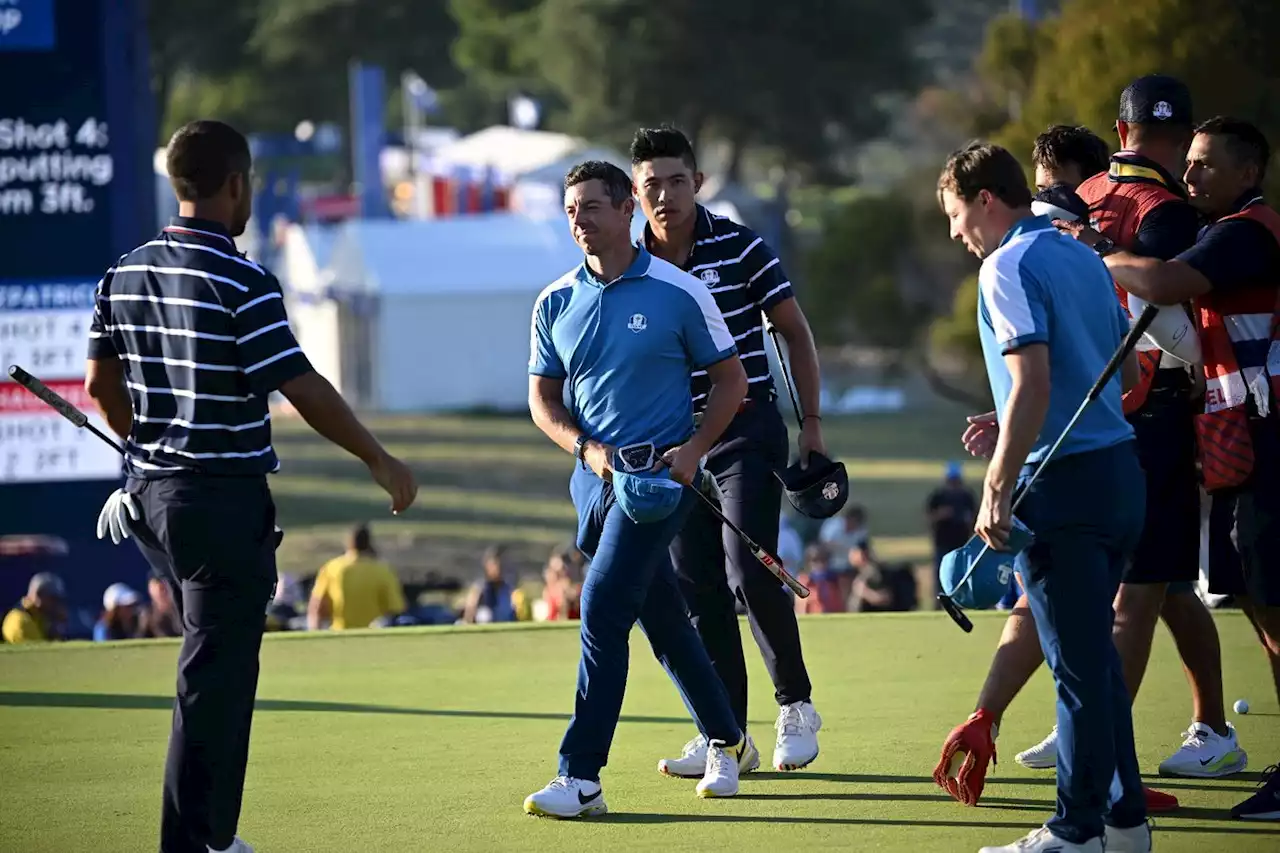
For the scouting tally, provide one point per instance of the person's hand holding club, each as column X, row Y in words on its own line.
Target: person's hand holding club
column 995, row 518
column 683, row 462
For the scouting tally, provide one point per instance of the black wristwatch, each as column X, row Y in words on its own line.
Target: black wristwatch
column 1104, row 247
column 580, row 448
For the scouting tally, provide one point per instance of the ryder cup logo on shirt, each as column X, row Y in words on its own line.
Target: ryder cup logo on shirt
column 1162, row 110
column 710, row 278
column 637, row 323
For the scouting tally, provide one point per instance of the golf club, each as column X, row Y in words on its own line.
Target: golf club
column 59, row 405
column 705, row 488
column 954, row 610
column 786, row 371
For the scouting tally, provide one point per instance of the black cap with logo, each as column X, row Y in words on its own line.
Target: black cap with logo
column 1156, row 99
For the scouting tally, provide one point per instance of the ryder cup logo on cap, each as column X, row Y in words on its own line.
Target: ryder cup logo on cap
column 830, row 490
column 638, row 323
column 1162, row 110
column 710, row 277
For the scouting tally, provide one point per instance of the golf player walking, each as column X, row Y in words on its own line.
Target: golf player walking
column 187, row 341
column 1049, row 323
column 623, row 331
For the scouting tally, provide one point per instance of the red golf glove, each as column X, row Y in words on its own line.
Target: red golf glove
column 971, row 745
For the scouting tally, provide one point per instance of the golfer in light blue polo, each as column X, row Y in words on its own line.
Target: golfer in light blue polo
column 1049, row 323
column 618, row 338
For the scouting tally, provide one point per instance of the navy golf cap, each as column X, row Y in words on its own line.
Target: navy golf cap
column 819, row 490
column 1156, row 99
column 988, row 583
column 647, row 498
column 1060, row 202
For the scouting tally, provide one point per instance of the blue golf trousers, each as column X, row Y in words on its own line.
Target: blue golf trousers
column 630, row 578
column 1086, row 511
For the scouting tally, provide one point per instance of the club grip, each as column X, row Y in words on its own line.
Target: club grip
column 35, row 386
column 1145, row 319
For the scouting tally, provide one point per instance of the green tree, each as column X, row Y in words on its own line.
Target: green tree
column 853, row 276
column 803, row 76
column 1072, row 67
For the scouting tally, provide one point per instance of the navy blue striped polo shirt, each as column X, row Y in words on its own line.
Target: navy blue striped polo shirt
column 204, row 338
column 746, row 279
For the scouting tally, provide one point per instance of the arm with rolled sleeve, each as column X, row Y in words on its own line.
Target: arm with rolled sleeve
column 269, row 353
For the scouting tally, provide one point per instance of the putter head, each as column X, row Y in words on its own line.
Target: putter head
column 957, row 615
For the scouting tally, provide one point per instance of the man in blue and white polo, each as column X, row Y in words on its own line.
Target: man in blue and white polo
column 1049, row 324
column 624, row 331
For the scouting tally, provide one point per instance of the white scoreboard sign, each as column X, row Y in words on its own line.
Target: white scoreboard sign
column 44, row 328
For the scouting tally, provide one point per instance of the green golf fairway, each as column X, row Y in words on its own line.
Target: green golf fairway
column 429, row 739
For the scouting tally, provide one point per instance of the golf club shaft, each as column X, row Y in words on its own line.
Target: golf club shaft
column 1117, row 358
column 769, row 561
column 786, row 373
column 56, row 402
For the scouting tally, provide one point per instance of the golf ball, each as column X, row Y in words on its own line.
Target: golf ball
column 1241, row 706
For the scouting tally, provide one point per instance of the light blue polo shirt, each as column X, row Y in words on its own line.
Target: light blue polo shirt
column 1041, row 286
column 626, row 348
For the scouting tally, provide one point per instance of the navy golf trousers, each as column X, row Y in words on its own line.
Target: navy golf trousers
column 630, row 578
column 1086, row 511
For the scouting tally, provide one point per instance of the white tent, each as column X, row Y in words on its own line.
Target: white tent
column 430, row 315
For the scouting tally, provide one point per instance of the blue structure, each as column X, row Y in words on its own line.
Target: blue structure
column 85, row 104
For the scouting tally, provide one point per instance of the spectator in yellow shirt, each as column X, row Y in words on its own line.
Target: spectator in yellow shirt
column 355, row 589
column 40, row 616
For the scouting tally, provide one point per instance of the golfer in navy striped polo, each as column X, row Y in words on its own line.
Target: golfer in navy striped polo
column 188, row 339
column 715, row 568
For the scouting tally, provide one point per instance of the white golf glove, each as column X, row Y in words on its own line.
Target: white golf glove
column 115, row 515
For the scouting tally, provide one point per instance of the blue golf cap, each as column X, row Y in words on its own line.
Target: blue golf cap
column 989, row 581
column 647, row 498
column 953, row 470
column 644, row 494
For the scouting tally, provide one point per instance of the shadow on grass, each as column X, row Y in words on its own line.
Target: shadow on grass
column 137, row 702
column 1159, row 783
column 1022, row 826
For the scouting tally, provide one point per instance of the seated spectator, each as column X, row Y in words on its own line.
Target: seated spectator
column 822, row 581
column 493, row 598
column 161, row 619
column 41, row 615
column 356, row 589
column 120, row 618
column 563, row 591
column 846, row 537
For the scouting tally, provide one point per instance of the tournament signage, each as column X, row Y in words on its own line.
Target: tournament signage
column 73, row 131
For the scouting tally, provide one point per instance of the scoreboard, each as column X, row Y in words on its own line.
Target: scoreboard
column 77, row 190
column 74, row 139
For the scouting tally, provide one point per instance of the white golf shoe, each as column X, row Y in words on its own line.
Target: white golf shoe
column 1205, row 754
column 1042, row 756
column 1134, row 840
column 1044, row 841
column 238, row 845
column 567, row 797
column 724, row 763
column 692, row 763
column 797, row 744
